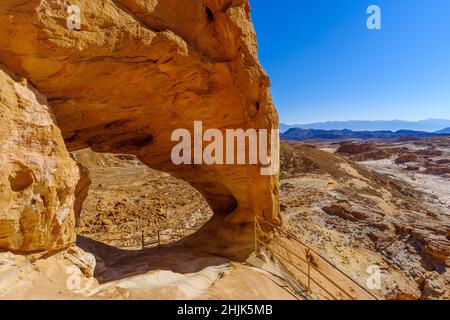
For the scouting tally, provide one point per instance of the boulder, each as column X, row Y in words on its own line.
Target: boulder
column 372, row 155
column 405, row 158
column 354, row 148
column 345, row 211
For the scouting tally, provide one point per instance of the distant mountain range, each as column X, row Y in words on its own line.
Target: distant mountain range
column 428, row 125
column 446, row 130
column 312, row 134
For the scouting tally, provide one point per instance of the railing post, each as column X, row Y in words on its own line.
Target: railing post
column 255, row 237
column 309, row 270
column 159, row 240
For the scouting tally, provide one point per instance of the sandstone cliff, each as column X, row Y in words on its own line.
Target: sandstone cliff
column 136, row 71
column 37, row 177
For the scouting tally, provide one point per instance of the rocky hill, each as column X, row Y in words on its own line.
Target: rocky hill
column 357, row 217
column 445, row 131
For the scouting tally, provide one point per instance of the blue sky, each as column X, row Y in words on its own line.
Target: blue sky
column 325, row 64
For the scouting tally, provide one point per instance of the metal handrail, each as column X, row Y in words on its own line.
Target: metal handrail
column 308, row 286
column 307, row 260
column 140, row 236
column 308, row 274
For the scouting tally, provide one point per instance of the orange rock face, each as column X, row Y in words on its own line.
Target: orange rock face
column 138, row 70
column 38, row 177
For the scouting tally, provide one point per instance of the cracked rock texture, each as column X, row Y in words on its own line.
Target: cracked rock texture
column 37, row 177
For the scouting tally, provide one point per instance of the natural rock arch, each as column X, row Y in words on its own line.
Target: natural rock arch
column 136, row 71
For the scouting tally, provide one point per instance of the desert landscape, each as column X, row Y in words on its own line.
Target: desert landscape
column 355, row 210
column 92, row 205
column 362, row 204
column 355, row 213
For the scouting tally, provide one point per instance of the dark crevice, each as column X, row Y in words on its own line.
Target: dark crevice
column 116, row 124
column 137, row 143
column 72, row 138
column 209, row 15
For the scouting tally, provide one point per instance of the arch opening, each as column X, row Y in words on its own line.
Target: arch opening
column 132, row 207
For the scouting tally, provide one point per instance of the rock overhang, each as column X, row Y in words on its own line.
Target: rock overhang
column 137, row 71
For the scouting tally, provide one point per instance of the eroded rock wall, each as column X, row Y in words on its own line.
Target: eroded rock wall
column 37, row 175
column 137, row 70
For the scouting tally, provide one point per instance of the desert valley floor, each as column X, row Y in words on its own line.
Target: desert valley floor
column 358, row 204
